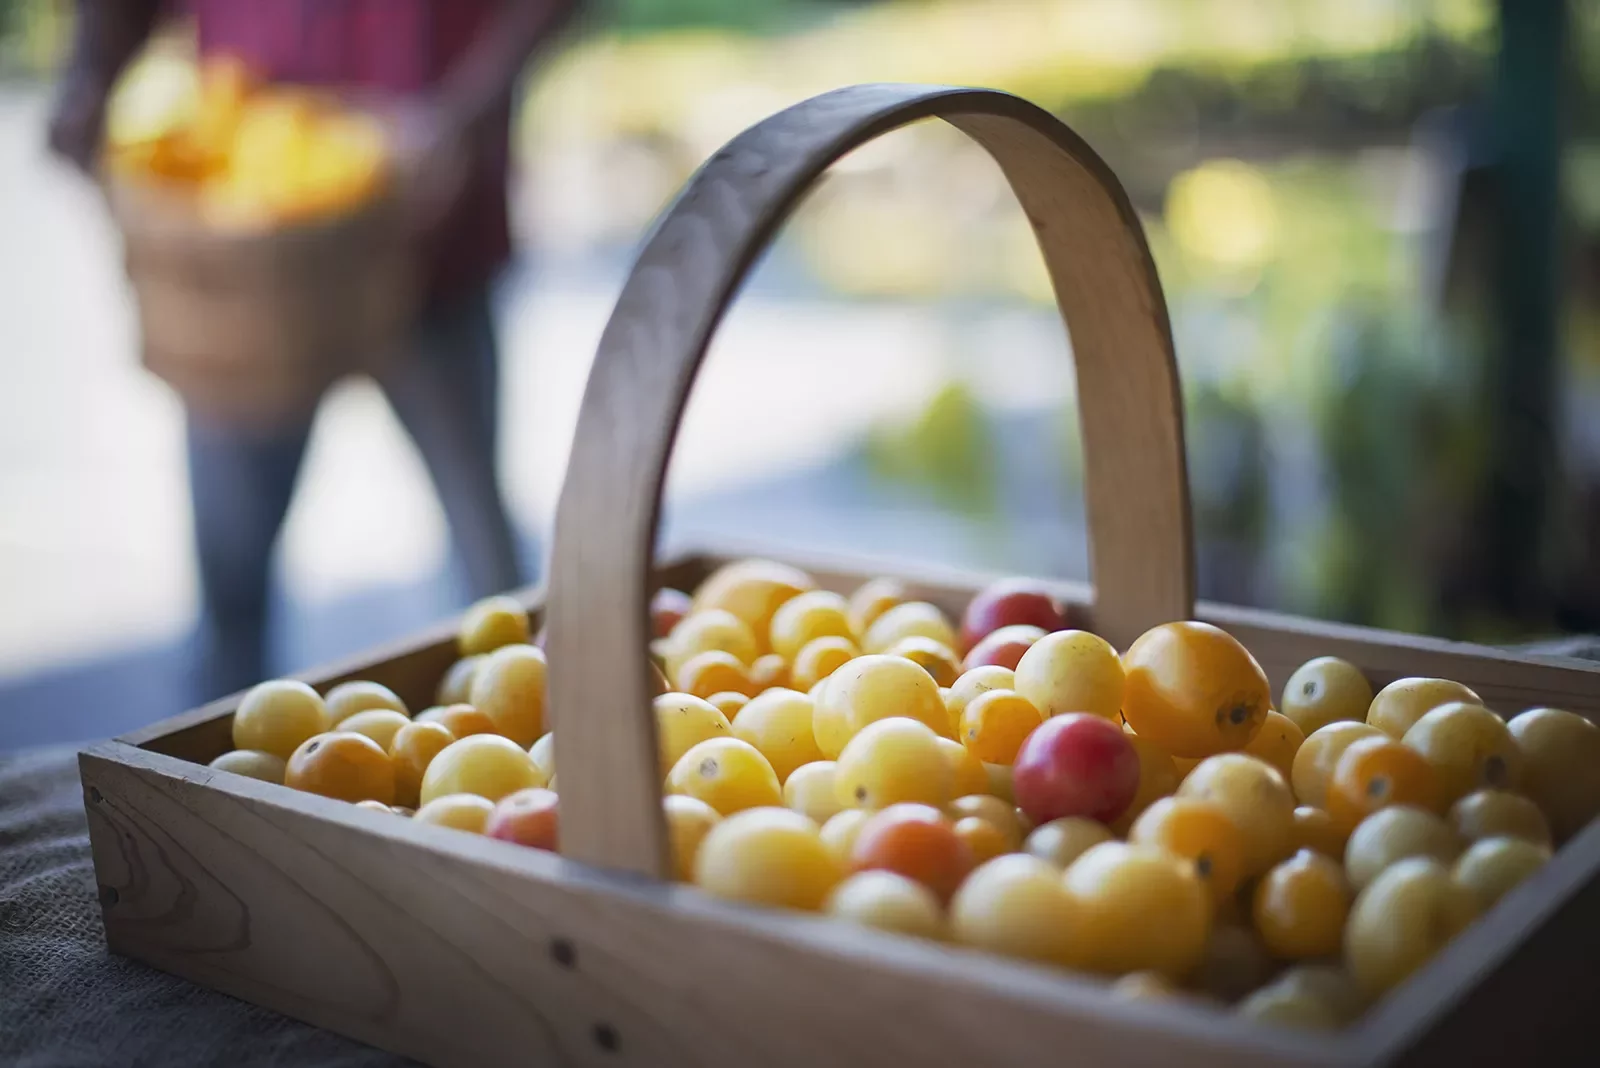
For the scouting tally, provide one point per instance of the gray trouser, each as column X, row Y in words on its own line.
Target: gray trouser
column 444, row 390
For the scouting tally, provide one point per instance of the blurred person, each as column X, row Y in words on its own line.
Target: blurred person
column 443, row 72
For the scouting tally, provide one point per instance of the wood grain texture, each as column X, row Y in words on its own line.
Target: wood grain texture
column 460, row 950
column 682, row 283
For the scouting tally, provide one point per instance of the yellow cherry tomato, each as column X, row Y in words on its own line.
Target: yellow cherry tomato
column 1560, row 752
column 936, row 659
column 1062, row 841
column 910, row 619
column 1193, row 690
column 840, row 832
column 995, row 723
column 689, row 820
column 809, row 790
column 728, row 774
column 1072, row 671
column 1499, row 814
column 819, row 659
column 1319, row 754
column 464, row 812
column 1392, row 835
column 1139, row 909
column 1016, row 905
column 778, row 723
column 1277, row 742
column 983, row 839
column 971, row 684
column 966, row 771
column 768, row 671
column 1198, row 832
column 684, row 721
column 713, row 630
column 752, row 591
column 728, row 703
column 1300, row 907
column 1468, row 748
column 806, row 617
column 1315, row 830
column 253, row 764
column 871, row 600
column 1408, row 913
column 348, row 698
column 1492, row 867
column 1158, row 777
column 456, row 686
column 872, row 688
column 714, row 671
column 379, row 724
column 1255, row 797
column 347, row 767
column 276, row 716
column 1323, row 691
column 1374, row 773
column 888, row 902
column 890, row 761
column 1404, row 701
column 1001, row 814
column 490, row 624
column 488, row 765
column 412, row 749
column 509, row 688
column 767, row 856
column 460, row 720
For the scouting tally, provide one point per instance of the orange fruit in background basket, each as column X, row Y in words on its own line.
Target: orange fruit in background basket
column 806, row 617
column 753, row 591
column 1192, row 689
column 872, row 599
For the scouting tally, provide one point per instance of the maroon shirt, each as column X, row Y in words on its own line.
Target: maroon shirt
column 399, row 47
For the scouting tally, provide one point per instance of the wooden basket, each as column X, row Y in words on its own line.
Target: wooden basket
column 254, row 327
column 463, row 950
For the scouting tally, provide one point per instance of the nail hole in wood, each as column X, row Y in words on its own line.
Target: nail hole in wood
column 564, row 954
column 605, row 1036
column 109, row 895
column 94, row 795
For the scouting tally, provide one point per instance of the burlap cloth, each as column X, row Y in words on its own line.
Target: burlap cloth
column 65, row 1001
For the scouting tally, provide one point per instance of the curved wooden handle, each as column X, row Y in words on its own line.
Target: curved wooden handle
column 690, row 269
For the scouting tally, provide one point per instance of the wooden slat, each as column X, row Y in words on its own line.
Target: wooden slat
column 688, row 273
column 460, row 950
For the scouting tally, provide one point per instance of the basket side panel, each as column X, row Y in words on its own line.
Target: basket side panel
column 460, row 950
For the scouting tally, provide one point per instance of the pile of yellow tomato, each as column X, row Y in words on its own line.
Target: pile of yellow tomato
column 254, row 156
column 1005, row 782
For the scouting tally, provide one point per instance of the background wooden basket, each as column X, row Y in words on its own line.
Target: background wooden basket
column 255, row 326
column 463, row 950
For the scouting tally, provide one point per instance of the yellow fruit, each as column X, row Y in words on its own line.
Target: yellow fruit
column 456, row 686
column 543, row 753
column 1323, row 691
column 1060, row 842
column 1158, row 777
column 1071, row 671
column 1000, row 781
column 484, row 764
column 1408, row 913
column 971, row 684
column 809, row 790
column 753, row 591
column 1375, row 773
column 275, row 717
column 994, row 725
column 1314, row 829
column 708, row 631
column 509, row 688
column 1277, row 742
column 890, row 761
column 984, row 841
column 1329, row 985
column 1235, row 962
column 460, row 720
column 966, row 771
column 684, row 721
column 347, row 767
column 911, row 619
column 379, row 724
column 768, row 671
column 1499, row 814
column 1404, row 701
column 806, row 617
column 1255, row 797
column 1289, row 1007
column 819, row 659
column 1393, row 834
column 872, row 688
column 491, row 623
column 1469, row 748
column 1200, row 833
column 464, row 812
column 412, row 749
column 1193, row 690
column 937, row 660
column 888, row 902
column 767, row 856
column 1300, row 907
column 1492, row 867
column 689, row 820
column 871, row 600
column 728, row 774
column 1319, row 755
column 348, row 698
column 991, row 809
column 1139, row 909
column 1016, row 905
column 1560, row 752
column 728, row 703
column 778, row 723
column 713, row 671
column 252, row 763
column 839, row 833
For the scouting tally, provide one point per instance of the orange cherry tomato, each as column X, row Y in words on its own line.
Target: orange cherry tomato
column 1375, row 773
column 1192, row 689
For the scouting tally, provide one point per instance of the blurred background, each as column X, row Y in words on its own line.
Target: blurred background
column 1377, row 223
